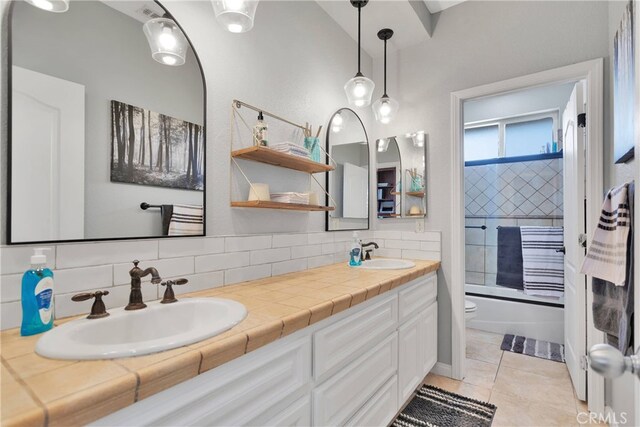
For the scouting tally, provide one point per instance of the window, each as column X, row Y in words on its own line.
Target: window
column 481, row 143
column 526, row 138
column 510, row 137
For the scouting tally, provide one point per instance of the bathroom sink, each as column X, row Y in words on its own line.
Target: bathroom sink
column 156, row 328
column 387, row 264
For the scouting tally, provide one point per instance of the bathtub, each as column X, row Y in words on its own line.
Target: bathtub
column 508, row 311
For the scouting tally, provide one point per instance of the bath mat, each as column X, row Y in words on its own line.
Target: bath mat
column 432, row 407
column 536, row 348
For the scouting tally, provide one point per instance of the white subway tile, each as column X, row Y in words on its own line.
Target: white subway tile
column 319, row 261
column 306, row 251
column 285, row 240
column 383, row 234
column 347, row 236
column 329, row 248
column 244, row 274
column 17, row 259
column 222, row 261
column 432, row 236
column 266, row 256
column 175, row 247
column 198, row 282
column 285, row 267
column 170, row 267
column 11, row 288
column 318, row 238
column 430, row 246
column 388, row 253
column 248, row 243
column 10, row 314
column 79, row 279
column 87, row 254
column 402, row 244
column 424, row 255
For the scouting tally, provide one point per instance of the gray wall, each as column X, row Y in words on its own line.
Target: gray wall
column 619, row 393
column 476, row 43
column 112, row 59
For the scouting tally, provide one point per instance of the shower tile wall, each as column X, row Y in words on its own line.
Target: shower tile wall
column 507, row 194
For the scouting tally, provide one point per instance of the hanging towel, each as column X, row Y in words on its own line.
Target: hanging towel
column 186, row 220
column 510, row 258
column 166, row 211
column 543, row 264
column 613, row 306
column 606, row 258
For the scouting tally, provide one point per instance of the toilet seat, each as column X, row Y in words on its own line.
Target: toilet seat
column 470, row 309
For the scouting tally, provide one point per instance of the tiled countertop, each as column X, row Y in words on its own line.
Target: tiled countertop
column 39, row 391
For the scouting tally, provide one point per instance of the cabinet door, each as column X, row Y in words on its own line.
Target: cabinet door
column 296, row 415
column 410, row 358
column 380, row 409
column 429, row 337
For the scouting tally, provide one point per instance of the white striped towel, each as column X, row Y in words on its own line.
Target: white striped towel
column 542, row 263
column 186, row 220
column 607, row 257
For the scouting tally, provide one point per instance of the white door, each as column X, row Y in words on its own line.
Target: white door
column 575, row 319
column 355, row 192
column 47, row 158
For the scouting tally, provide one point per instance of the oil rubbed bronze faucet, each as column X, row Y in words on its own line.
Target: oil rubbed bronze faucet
column 367, row 257
column 136, row 273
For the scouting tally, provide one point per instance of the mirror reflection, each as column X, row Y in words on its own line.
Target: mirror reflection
column 348, row 184
column 107, row 113
column 401, row 172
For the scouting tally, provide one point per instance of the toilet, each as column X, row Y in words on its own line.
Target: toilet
column 470, row 309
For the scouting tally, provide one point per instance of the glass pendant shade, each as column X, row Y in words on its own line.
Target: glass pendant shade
column 57, row 6
column 336, row 123
column 418, row 139
column 236, row 16
column 168, row 44
column 359, row 91
column 385, row 109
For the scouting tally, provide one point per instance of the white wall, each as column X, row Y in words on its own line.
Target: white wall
column 476, row 43
column 109, row 71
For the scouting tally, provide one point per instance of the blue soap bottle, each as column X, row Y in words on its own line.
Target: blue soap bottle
column 37, row 296
column 355, row 251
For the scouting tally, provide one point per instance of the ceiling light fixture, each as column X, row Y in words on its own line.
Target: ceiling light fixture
column 385, row 108
column 359, row 89
column 235, row 15
column 57, row 6
column 168, row 44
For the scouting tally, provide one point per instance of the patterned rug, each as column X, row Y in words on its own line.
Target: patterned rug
column 434, row 407
column 536, row 348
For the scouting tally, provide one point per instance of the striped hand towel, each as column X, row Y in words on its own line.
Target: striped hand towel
column 186, row 220
column 607, row 257
column 543, row 266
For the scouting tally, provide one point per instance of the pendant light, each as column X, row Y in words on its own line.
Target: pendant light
column 336, row 123
column 57, row 6
column 168, row 44
column 235, row 15
column 359, row 89
column 385, row 108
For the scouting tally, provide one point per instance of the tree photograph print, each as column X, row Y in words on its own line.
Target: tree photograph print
column 149, row 148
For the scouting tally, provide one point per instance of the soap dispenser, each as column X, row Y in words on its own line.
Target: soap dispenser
column 37, row 295
column 260, row 131
column 355, row 253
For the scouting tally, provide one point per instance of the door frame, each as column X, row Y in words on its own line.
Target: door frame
column 592, row 73
column 636, row 341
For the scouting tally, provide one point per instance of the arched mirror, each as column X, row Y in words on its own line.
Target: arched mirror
column 106, row 115
column 389, row 178
column 348, row 184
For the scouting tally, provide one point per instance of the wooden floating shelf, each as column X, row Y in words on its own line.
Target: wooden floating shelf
column 282, row 206
column 415, row 193
column 275, row 158
column 395, row 193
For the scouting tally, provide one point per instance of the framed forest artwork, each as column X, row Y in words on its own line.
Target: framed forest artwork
column 149, row 148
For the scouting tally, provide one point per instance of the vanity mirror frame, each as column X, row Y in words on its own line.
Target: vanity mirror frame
column 328, row 159
column 8, row 33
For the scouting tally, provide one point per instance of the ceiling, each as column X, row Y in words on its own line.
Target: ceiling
column 140, row 10
column 410, row 21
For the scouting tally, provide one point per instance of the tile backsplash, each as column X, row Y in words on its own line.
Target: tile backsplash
column 207, row 262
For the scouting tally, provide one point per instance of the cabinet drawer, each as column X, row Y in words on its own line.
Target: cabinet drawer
column 296, row 415
column 338, row 399
column 417, row 297
column 345, row 340
column 380, row 409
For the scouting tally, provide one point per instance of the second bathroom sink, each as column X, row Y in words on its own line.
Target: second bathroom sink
column 156, row 328
column 387, row 264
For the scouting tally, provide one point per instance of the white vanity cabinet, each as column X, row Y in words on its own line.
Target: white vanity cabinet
column 355, row 368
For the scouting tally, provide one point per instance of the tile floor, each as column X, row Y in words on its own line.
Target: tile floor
column 528, row 391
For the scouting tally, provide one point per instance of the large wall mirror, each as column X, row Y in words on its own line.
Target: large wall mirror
column 401, row 176
column 348, row 184
column 106, row 121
